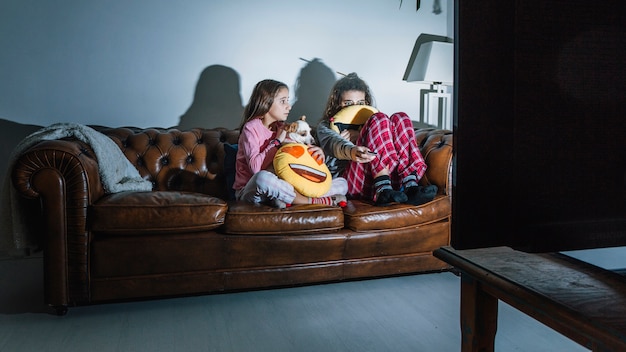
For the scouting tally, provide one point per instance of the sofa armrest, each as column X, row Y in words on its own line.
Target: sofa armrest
column 62, row 176
column 436, row 148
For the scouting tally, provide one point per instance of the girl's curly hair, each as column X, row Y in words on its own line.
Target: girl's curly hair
column 350, row 82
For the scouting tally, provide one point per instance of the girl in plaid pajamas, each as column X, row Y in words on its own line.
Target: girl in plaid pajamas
column 392, row 172
column 260, row 137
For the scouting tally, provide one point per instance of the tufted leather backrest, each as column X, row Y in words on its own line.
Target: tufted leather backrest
column 193, row 160
column 162, row 155
column 436, row 148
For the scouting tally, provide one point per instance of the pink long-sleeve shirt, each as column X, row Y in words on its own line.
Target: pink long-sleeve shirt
column 255, row 152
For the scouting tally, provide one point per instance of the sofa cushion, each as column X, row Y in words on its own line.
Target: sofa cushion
column 230, row 162
column 156, row 212
column 258, row 219
column 363, row 217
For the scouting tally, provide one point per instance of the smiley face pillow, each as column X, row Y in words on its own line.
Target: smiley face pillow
column 294, row 164
column 351, row 117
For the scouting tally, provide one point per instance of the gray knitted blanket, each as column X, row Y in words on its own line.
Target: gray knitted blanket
column 116, row 172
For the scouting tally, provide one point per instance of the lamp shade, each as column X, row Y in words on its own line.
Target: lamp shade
column 434, row 62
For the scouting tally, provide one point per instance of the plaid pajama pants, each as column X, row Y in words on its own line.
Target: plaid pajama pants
column 393, row 138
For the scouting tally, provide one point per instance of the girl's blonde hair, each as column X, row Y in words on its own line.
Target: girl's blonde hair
column 350, row 82
column 261, row 99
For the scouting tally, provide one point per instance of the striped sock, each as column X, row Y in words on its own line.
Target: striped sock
column 337, row 199
column 410, row 181
column 382, row 183
column 385, row 194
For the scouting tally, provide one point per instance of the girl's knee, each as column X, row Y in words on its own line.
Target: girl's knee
column 400, row 117
column 378, row 120
column 377, row 116
column 264, row 177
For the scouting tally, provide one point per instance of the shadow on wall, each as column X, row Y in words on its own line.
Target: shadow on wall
column 12, row 134
column 311, row 91
column 216, row 102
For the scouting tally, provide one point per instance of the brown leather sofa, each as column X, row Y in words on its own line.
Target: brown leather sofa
column 185, row 238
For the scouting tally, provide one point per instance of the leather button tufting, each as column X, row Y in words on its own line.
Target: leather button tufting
column 189, row 159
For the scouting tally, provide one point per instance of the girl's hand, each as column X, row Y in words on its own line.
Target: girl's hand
column 281, row 134
column 361, row 154
column 317, row 153
column 350, row 135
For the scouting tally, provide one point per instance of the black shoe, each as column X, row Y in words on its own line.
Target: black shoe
column 418, row 195
column 389, row 196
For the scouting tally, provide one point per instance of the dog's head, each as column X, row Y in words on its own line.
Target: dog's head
column 299, row 131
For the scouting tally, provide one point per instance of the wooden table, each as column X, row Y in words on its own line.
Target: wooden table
column 581, row 301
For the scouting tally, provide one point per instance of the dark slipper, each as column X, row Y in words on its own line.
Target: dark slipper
column 389, row 196
column 419, row 195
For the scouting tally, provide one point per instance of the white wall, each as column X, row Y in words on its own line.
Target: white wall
column 137, row 62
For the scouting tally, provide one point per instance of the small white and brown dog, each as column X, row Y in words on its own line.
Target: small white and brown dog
column 299, row 131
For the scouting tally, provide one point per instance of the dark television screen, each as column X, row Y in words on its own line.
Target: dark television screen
column 540, row 137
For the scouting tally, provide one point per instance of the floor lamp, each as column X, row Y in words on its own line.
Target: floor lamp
column 432, row 63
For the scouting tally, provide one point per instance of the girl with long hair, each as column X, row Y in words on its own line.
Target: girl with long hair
column 381, row 161
column 261, row 134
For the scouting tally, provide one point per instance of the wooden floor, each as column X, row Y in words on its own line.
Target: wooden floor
column 409, row 313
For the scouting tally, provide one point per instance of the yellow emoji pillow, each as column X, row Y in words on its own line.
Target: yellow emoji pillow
column 351, row 117
column 294, row 164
